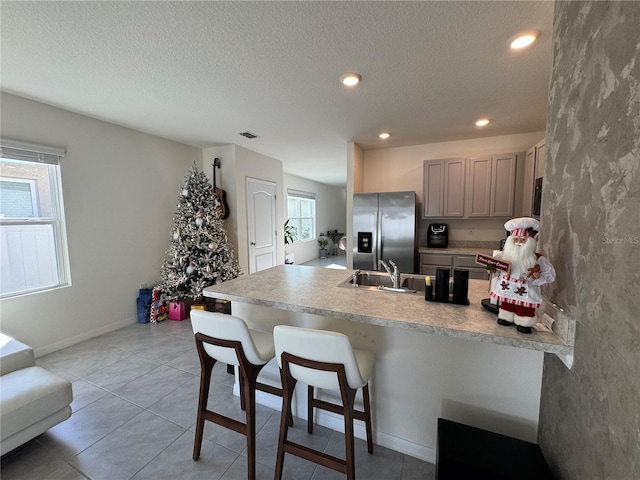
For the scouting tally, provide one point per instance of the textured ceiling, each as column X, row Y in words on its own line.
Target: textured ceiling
column 201, row 72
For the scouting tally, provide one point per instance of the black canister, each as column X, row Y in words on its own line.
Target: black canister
column 428, row 293
column 460, row 287
column 442, row 284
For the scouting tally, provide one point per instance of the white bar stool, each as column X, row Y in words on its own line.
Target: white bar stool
column 228, row 339
column 326, row 360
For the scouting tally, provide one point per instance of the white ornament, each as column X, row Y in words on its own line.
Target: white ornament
column 191, row 268
column 200, row 217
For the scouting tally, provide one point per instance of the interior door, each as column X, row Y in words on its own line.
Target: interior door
column 261, row 216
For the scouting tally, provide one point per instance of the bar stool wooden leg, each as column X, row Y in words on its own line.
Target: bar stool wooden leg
column 207, row 364
column 348, row 398
column 367, row 417
column 243, row 405
column 286, row 418
column 310, row 409
column 249, row 381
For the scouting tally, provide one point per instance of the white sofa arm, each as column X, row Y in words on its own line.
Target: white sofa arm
column 14, row 355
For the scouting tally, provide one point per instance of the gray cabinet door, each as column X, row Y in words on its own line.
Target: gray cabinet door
column 541, row 152
column 432, row 188
column 479, row 187
column 527, row 189
column 443, row 187
column 503, row 185
column 454, row 178
column 491, row 183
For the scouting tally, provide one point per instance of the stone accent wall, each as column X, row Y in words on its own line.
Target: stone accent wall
column 590, row 416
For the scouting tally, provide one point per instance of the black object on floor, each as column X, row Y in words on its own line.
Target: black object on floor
column 465, row 452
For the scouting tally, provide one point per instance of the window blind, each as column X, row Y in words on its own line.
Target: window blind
column 299, row 194
column 30, row 152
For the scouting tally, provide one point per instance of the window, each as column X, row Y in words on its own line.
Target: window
column 33, row 247
column 301, row 210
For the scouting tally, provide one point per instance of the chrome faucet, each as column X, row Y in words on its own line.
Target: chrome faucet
column 395, row 275
column 355, row 278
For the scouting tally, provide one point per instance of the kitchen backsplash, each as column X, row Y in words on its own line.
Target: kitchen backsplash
column 474, row 244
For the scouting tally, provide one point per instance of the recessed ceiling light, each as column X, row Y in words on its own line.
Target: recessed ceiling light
column 351, row 79
column 482, row 122
column 384, row 135
column 524, row 39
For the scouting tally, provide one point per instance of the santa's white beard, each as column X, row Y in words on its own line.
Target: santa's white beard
column 521, row 257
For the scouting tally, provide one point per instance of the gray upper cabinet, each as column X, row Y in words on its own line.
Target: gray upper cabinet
column 443, row 187
column 468, row 188
column 491, row 186
column 534, row 168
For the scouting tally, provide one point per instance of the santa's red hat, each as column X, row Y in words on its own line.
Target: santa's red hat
column 523, row 227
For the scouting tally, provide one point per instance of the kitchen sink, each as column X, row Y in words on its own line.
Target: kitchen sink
column 414, row 283
column 369, row 280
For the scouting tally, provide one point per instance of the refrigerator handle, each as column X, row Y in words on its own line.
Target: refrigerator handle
column 378, row 249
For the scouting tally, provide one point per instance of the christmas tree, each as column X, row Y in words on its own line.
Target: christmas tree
column 200, row 253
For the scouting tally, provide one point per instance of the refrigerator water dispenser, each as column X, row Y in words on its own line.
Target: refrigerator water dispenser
column 365, row 242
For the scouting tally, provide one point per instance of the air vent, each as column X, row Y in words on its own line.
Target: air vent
column 248, row 134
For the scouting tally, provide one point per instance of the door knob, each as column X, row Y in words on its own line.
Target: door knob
column 252, row 243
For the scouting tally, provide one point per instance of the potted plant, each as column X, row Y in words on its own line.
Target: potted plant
column 322, row 243
column 290, row 233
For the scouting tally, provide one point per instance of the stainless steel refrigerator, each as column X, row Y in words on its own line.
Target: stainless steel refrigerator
column 384, row 228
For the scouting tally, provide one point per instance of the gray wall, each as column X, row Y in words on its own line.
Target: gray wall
column 590, row 416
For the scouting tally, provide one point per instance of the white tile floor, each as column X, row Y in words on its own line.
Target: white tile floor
column 336, row 261
column 134, row 409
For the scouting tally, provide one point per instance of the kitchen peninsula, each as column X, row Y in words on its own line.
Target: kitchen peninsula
column 310, row 290
column 432, row 359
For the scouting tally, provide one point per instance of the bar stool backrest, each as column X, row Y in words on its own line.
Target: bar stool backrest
column 225, row 327
column 320, row 346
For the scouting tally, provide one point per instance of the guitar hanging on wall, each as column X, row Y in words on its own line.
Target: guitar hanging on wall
column 221, row 194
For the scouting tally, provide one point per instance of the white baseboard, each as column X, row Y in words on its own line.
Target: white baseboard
column 54, row 347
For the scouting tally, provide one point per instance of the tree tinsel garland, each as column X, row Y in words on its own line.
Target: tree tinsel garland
column 200, row 253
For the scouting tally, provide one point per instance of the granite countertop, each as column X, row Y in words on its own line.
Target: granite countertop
column 314, row 290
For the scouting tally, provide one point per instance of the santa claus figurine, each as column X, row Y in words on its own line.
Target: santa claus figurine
column 519, row 290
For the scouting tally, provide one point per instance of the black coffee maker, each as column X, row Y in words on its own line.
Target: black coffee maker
column 438, row 235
